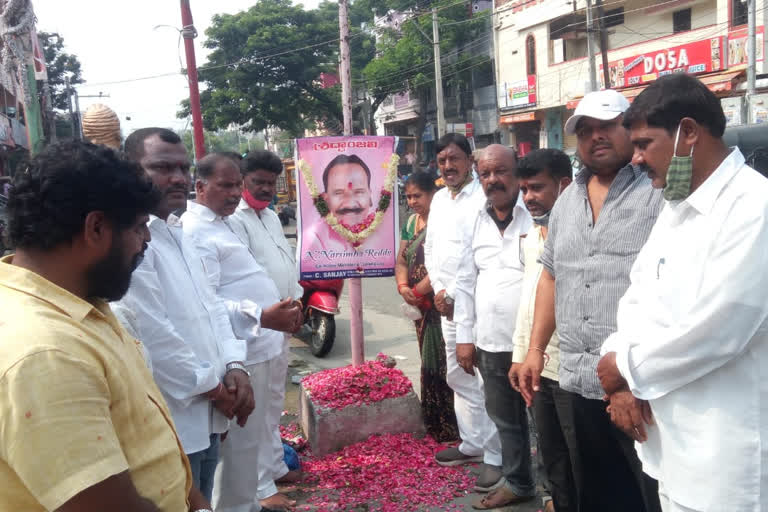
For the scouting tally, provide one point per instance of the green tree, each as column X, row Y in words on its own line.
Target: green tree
column 222, row 140
column 60, row 65
column 405, row 59
column 265, row 66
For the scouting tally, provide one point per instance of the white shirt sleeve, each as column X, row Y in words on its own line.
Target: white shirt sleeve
column 429, row 262
column 464, row 305
column 729, row 307
column 176, row 367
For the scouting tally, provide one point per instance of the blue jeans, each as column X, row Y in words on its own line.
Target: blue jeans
column 203, row 465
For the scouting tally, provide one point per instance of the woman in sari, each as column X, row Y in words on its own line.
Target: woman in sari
column 414, row 286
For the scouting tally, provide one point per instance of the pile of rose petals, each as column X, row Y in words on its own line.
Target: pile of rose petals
column 370, row 382
column 386, row 473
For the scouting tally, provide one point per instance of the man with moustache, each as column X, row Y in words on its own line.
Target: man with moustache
column 596, row 229
column 543, row 175
column 692, row 337
column 196, row 360
column 347, row 192
column 262, row 230
column 488, row 292
column 257, row 314
column 452, row 217
column 84, row 427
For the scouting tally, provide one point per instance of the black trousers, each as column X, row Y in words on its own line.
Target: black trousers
column 553, row 414
column 611, row 475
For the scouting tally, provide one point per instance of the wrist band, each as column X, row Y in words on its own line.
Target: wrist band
column 401, row 286
column 543, row 353
column 417, row 294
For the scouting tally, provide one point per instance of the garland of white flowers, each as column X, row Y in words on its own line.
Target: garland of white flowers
column 362, row 230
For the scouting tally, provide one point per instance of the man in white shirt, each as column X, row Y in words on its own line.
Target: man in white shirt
column 543, row 174
column 262, row 231
column 452, row 217
column 487, row 295
column 692, row 337
column 257, row 315
column 196, row 360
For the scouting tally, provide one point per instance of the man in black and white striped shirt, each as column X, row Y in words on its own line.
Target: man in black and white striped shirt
column 596, row 229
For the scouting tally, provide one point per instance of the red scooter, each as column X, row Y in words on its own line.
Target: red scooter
column 321, row 304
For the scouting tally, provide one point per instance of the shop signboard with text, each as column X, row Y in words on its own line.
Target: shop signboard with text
column 518, row 94
column 694, row 58
column 737, row 46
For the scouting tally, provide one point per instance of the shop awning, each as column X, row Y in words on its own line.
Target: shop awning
column 399, row 117
column 717, row 82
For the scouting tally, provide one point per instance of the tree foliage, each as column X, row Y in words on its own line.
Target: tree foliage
column 265, row 68
column 60, row 65
column 222, row 140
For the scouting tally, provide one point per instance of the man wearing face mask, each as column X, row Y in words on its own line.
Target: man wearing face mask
column 595, row 231
column 692, row 334
column 543, row 175
column 452, row 215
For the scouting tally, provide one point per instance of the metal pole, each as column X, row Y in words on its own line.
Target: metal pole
column 357, row 339
column 50, row 117
column 751, row 55
column 591, row 48
column 69, row 106
column 603, row 43
column 78, row 116
column 438, row 76
column 189, row 33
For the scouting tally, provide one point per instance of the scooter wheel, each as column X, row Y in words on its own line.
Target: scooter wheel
column 323, row 333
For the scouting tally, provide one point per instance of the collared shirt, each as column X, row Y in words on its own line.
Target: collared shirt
column 693, row 339
column 238, row 279
column 451, row 221
column 77, row 402
column 488, row 281
column 591, row 267
column 185, row 328
column 532, row 246
column 263, row 232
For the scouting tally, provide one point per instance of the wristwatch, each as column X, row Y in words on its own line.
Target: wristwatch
column 203, row 510
column 238, row 366
column 448, row 299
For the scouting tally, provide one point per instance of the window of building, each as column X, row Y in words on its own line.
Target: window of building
column 530, row 55
column 567, row 38
column 614, row 17
column 738, row 12
column 681, row 20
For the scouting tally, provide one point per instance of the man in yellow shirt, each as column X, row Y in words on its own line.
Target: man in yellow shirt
column 82, row 425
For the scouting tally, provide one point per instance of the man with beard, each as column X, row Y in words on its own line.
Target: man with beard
column 347, row 185
column 196, row 360
column 595, row 231
column 84, row 428
column 488, row 292
column 543, row 175
column 257, row 314
column 692, row 334
column 261, row 228
column 452, row 218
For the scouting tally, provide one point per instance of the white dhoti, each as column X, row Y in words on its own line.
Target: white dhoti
column 252, row 457
column 478, row 433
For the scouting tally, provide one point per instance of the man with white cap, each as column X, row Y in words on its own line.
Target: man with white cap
column 596, row 229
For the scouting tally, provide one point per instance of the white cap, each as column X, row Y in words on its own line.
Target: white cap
column 603, row 105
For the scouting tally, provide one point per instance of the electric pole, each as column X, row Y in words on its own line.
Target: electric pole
column 751, row 56
column 438, row 76
column 50, row 116
column 189, row 33
column 355, row 284
column 591, row 48
column 603, row 42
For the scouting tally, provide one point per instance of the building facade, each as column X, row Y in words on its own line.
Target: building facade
column 543, row 71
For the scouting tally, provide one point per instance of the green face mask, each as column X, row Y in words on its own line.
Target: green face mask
column 679, row 174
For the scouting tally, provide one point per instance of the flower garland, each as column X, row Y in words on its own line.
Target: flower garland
column 358, row 233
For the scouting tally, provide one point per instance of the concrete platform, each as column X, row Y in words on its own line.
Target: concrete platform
column 329, row 430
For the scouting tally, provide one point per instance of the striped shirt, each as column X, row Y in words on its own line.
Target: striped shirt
column 591, row 267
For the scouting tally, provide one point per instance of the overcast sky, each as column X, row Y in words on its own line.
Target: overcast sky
column 116, row 41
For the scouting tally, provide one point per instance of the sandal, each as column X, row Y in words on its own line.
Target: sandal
column 499, row 498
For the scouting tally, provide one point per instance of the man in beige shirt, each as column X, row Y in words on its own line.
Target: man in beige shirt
column 83, row 428
column 543, row 175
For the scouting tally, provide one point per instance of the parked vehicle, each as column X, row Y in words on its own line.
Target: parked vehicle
column 321, row 304
column 752, row 140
